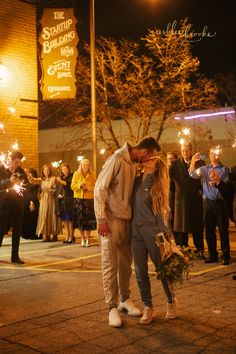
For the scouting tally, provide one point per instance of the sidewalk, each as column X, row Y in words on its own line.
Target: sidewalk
column 54, row 304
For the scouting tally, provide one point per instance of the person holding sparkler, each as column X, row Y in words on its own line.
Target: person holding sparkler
column 214, row 206
column 188, row 208
column 13, row 182
column 66, row 199
column 82, row 184
column 48, row 221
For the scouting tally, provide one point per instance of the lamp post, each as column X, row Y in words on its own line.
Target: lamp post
column 93, row 84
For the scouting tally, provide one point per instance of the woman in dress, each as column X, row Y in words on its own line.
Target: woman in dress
column 82, row 184
column 66, row 199
column 150, row 217
column 48, row 222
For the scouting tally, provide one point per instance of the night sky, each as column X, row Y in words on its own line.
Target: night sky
column 133, row 18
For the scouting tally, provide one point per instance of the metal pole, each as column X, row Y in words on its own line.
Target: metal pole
column 93, row 84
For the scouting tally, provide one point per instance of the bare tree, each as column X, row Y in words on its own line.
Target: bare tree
column 140, row 86
column 179, row 85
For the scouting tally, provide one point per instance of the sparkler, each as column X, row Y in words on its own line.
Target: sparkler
column 198, row 172
column 217, row 150
column 185, row 132
column 234, row 143
column 15, row 146
column 19, row 188
column 56, row 164
column 80, row 158
column 5, row 159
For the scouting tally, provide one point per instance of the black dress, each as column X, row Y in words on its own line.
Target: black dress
column 31, row 210
column 66, row 203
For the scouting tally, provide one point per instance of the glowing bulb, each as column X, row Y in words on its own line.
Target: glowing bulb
column 12, row 110
column 3, row 71
column 102, row 151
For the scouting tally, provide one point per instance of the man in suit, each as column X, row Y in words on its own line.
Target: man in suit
column 12, row 203
column 188, row 215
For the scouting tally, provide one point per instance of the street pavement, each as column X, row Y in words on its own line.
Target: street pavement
column 54, row 304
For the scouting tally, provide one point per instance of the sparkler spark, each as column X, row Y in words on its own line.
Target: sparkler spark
column 80, row 158
column 15, row 146
column 234, row 143
column 217, row 151
column 198, row 172
column 56, row 164
column 5, row 159
column 181, row 141
column 19, row 188
column 183, row 134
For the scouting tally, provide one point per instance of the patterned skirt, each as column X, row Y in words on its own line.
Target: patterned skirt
column 83, row 214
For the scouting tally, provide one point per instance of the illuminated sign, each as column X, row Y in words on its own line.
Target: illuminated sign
column 58, row 39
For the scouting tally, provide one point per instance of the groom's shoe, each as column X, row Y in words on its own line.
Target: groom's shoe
column 128, row 306
column 114, row 318
column 17, row 260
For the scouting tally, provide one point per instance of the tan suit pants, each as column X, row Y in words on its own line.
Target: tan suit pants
column 116, row 262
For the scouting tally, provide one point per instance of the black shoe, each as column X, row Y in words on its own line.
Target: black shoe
column 66, row 241
column 17, row 260
column 200, row 255
column 211, row 260
column 226, row 261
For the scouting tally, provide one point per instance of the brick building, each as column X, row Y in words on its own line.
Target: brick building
column 19, row 79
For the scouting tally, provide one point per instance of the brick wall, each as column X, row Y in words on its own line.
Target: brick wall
column 19, row 89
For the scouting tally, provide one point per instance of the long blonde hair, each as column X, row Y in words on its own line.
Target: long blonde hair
column 80, row 166
column 160, row 191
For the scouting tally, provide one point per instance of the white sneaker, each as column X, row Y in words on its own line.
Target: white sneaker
column 129, row 307
column 147, row 315
column 171, row 310
column 83, row 243
column 114, row 318
column 87, row 243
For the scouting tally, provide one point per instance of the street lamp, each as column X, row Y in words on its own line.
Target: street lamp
column 93, row 84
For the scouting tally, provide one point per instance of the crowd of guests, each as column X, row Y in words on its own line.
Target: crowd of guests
column 46, row 203
column 138, row 193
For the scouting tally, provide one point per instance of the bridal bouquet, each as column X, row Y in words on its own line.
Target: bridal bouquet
column 175, row 263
